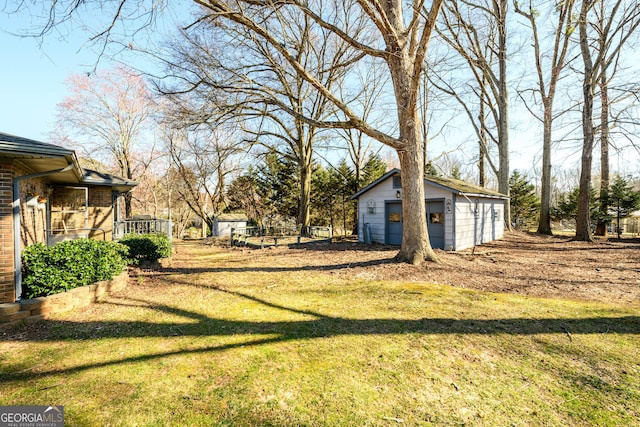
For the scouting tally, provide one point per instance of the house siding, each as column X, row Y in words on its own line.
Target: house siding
column 475, row 229
column 381, row 194
column 7, row 284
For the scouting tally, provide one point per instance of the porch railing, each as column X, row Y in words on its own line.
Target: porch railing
column 141, row 226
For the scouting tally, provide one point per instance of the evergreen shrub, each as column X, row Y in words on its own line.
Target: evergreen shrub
column 49, row 270
column 147, row 247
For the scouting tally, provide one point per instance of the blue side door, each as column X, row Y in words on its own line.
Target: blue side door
column 393, row 223
column 435, row 223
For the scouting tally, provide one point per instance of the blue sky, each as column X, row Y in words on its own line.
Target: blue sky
column 32, row 77
column 32, row 82
column 34, row 71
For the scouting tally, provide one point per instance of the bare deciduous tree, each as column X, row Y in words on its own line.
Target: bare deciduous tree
column 549, row 64
column 400, row 31
column 203, row 160
column 404, row 34
column 612, row 24
column 253, row 86
column 477, row 31
column 620, row 23
column 106, row 114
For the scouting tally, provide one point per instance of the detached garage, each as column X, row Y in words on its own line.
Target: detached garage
column 459, row 215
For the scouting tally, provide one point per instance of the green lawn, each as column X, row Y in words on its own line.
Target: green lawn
column 240, row 338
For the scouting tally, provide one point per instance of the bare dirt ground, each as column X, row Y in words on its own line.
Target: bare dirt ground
column 521, row 263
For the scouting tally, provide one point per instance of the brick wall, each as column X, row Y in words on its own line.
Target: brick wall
column 7, row 289
column 32, row 310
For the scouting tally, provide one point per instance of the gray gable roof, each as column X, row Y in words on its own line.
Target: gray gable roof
column 459, row 187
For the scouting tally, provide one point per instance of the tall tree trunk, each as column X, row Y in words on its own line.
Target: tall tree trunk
column 482, row 141
column 481, row 168
column 503, row 109
column 583, row 220
column 415, row 238
column 304, row 218
column 601, row 229
column 544, row 224
column 127, row 204
column 406, row 70
column 563, row 31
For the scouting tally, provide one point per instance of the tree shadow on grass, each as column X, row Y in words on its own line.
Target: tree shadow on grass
column 275, row 269
column 314, row 326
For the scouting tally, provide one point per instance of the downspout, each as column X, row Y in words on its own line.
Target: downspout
column 17, row 260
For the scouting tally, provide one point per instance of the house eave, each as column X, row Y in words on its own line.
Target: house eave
column 484, row 196
column 37, row 157
column 101, row 179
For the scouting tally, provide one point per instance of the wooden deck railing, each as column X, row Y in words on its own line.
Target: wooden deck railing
column 141, row 226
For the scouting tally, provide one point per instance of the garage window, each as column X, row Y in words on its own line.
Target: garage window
column 397, row 182
column 436, row 218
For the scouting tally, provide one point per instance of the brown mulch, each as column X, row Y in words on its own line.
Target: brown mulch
column 607, row 270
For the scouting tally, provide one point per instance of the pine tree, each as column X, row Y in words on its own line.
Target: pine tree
column 566, row 205
column 524, row 201
column 277, row 185
column 372, row 170
column 623, row 200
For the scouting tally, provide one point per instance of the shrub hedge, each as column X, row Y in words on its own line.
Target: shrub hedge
column 147, row 247
column 49, row 270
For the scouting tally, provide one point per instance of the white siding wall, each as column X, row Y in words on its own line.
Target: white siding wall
column 380, row 193
column 223, row 228
column 465, row 223
column 498, row 221
column 472, row 229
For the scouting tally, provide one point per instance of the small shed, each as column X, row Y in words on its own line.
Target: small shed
column 223, row 223
column 459, row 214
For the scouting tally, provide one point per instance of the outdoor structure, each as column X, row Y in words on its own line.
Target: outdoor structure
column 47, row 197
column 459, row 215
column 223, row 223
column 631, row 224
